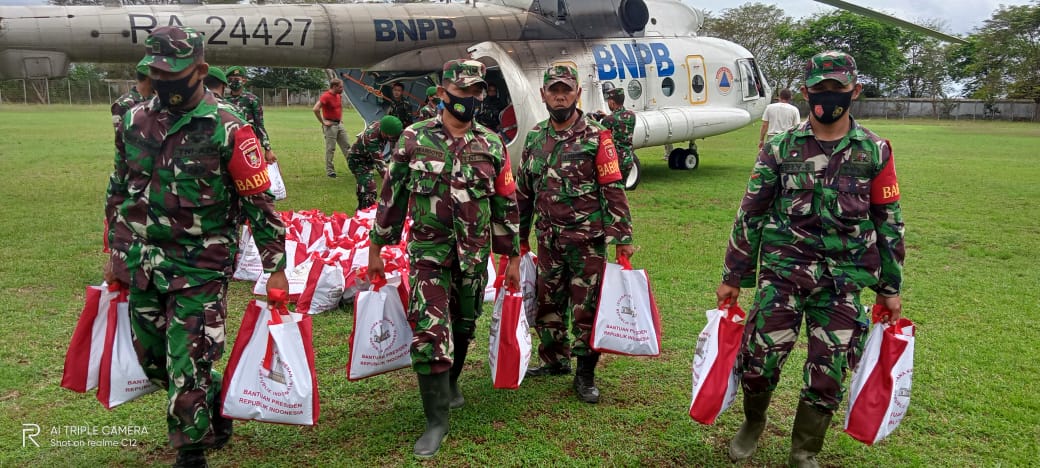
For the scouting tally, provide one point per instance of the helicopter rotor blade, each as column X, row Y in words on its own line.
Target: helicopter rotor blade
column 892, row 20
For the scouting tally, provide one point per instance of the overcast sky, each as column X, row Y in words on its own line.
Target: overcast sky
column 960, row 16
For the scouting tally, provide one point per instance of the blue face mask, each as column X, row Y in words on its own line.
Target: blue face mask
column 462, row 108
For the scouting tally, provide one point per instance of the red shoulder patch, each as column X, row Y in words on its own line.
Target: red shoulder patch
column 607, row 168
column 505, row 185
column 247, row 166
column 885, row 188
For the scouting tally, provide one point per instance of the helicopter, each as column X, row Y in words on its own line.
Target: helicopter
column 681, row 86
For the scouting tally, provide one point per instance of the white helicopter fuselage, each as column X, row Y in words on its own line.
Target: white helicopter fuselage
column 681, row 86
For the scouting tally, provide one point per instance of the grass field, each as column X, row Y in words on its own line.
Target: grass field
column 971, row 201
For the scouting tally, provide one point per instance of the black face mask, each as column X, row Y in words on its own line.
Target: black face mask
column 235, row 85
column 561, row 115
column 173, row 93
column 462, row 108
column 829, row 106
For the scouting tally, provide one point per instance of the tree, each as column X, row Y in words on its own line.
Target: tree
column 764, row 30
column 926, row 74
column 875, row 45
column 295, row 79
column 1003, row 58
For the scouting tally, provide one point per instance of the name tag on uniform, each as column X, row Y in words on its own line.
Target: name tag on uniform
column 471, row 158
column 857, row 169
column 575, row 156
column 795, row 167
column 431, row 153
column 194, row 151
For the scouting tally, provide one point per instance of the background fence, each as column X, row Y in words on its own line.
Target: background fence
column 66, row 91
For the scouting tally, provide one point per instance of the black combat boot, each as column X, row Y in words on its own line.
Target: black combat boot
column 745, row 442
column 585, row 378
column 810, row 428
column 461, row 349
column 436, row 395
column 195, row 458
column 562, row 367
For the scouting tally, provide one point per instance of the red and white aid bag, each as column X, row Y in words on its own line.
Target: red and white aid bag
column 879, row 393
column 529, row 284
column 381, row 340
column 83, row 359
column 270, row 376
column 627, row 321
column 715, row 380
column 121, row 378
column 509, row 349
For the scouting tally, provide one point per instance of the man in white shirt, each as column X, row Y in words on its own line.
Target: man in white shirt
column 778, row 117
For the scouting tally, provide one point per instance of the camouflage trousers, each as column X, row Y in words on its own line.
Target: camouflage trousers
column 335, row 134
column 569, row 277
column 178, row 335
column 628, row 159
column 365, row 171
column 445, row 301
column 836, row 326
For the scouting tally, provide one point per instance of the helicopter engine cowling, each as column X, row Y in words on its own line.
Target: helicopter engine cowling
column 596, row 18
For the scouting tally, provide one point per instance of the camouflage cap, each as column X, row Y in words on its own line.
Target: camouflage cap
column 464, row 73
column 390, row 126
column 236, row 70
column 617, row 94
column 142, row 66
column 173, row 48
column 565, row 74
column 830, row 65
column 217, row 73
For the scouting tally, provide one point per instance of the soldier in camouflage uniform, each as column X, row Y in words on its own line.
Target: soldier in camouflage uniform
column 250, row 107
column 366, row 156
column 185, row 170
column 621, row 122
column 430, row 110
column 140, row 92
column 569, row 177
column 454, row 176
column 399, row 106
column 820, row 222
column 216, row 83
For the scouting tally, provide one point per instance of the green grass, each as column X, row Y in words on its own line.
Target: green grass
column 971, row 200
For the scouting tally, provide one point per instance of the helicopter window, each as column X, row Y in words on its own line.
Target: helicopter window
column 635, row 90
column 698, row 84
column 752, row 87
column 667, row 86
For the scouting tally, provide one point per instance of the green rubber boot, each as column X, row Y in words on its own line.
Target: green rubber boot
column 436, row 394
column 745, row 442
column 810, row 428
column 461, row 349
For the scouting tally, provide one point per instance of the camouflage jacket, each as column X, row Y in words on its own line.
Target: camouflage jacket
column 402, row 110
column 428, row 111
column 123, row 104
column 807, row 215
column 368, row 148
column 621, row 123
column 460, row 192
column 557, row 181
column 180, row 186
column 249, row 106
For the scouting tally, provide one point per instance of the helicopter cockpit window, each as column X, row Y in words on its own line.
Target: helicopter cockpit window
column 667, row 86
column 749, row 75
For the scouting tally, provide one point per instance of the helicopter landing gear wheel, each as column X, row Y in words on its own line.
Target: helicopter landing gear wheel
column 633, row 174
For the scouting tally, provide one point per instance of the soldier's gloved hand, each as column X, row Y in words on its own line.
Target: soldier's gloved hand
column 513, row 273
column 893, row 304
column 726, row 294
column 375, row 262
column 277, row 281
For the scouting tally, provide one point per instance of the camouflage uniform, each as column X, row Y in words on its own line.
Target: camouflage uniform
column 179, row 184
column 366, row 156
column 820, row 225
column 401, row 109
column 621, row 123
column 577, row 219
column 428, row 111
column 459, row 192
column 249, row 106
column 123, row 104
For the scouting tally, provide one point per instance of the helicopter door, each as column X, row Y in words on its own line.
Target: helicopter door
column 698, row 86
column 752, row 87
